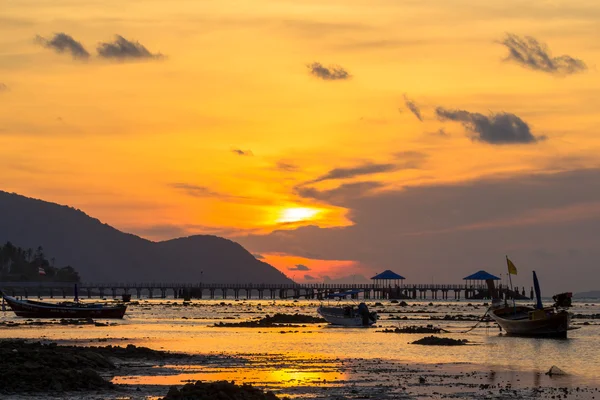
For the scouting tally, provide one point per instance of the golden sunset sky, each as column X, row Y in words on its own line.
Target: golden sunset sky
column 227, row 127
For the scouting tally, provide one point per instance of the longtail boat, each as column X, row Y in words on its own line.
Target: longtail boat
column 538, row 321
column 67, row 309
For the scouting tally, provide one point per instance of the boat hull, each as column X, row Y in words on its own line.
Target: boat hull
column 35, row 309
column 338, row 316
column 553, row 325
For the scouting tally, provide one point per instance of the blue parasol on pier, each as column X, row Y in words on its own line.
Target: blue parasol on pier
column 481, row 276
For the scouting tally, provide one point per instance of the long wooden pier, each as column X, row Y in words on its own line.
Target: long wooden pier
column 250, row 290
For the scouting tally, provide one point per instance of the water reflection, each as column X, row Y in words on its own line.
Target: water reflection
column 171, row 325
column 274, row 378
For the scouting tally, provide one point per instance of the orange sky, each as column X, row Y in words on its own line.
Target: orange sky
column 222, row 133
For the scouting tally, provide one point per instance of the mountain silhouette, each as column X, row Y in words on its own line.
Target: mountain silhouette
column 101, row 253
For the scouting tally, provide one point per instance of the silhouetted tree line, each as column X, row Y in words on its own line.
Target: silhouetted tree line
column 18, row 264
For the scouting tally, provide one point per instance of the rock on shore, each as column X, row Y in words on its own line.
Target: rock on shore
column 438, row 341
column 34, row 367
column 218, row 391
column 37, row 367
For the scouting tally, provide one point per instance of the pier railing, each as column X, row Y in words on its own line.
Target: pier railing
column 247, row 290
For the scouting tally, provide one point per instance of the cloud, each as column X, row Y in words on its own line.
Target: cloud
column 332, row 73
column 122, row 49
column 352, row 172
column 340, row 194
column 285, row 166
column 258, row 256
column 410, row 159
column 299, row 267
column 240, row 152
column 528, row 52
column 195, row 190
column 309, row 277
column 3, row 87
column 467, row 223
column 501, row 128
column 205, row 192
column 441, row 132
column 412, row 106
column 63, row 43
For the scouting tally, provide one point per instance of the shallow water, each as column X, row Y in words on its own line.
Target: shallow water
column 286, row 353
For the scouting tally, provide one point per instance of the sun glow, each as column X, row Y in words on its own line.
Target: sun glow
column 297, row 214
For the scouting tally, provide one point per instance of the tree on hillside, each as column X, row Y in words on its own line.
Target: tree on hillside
column 16, row 264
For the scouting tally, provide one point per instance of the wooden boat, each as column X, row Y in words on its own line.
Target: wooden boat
column 348, row 315
column 71, row 309
column 538, row 321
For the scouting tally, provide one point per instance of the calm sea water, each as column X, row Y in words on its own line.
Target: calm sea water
column 169, row 325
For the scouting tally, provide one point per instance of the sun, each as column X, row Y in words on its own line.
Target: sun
column 296, row 214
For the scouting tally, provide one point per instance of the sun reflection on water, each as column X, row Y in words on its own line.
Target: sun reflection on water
column 267, row 377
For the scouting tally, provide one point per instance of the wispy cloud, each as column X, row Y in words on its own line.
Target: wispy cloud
column 258, row 256
column 501, row 128
column 195, row 190
column 122, row 49
column 309, row 277
column 205, row 192
column 331, row 73
column 528, row 52
column 299, row 267
column 410, row 159
column 63, row 43
column 412, row 106
column 340, row 194
column 285, row 166
column 3, row 87
column 241, row 152
column 351, row 172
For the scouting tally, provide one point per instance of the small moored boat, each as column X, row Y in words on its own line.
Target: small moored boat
column 347, row 315
column 70, row 309
column 529, row 321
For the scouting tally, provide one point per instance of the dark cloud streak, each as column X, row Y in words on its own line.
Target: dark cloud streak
column 241, row 152
column 412, row 106
column 528, row 52
column 299, row 267
column 497, row 129
column 332, row 73
column 122, row 49
column 63, row 43
column 285, row 166
column 351, row 172
column 341, row 194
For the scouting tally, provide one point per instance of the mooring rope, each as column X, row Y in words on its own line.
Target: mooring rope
column 474, row 326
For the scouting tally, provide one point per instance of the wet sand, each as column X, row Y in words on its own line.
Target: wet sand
column 315, row 361
column 144, row 374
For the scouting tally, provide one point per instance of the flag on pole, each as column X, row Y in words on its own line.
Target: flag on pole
column 511, row 267
column 41, row 271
